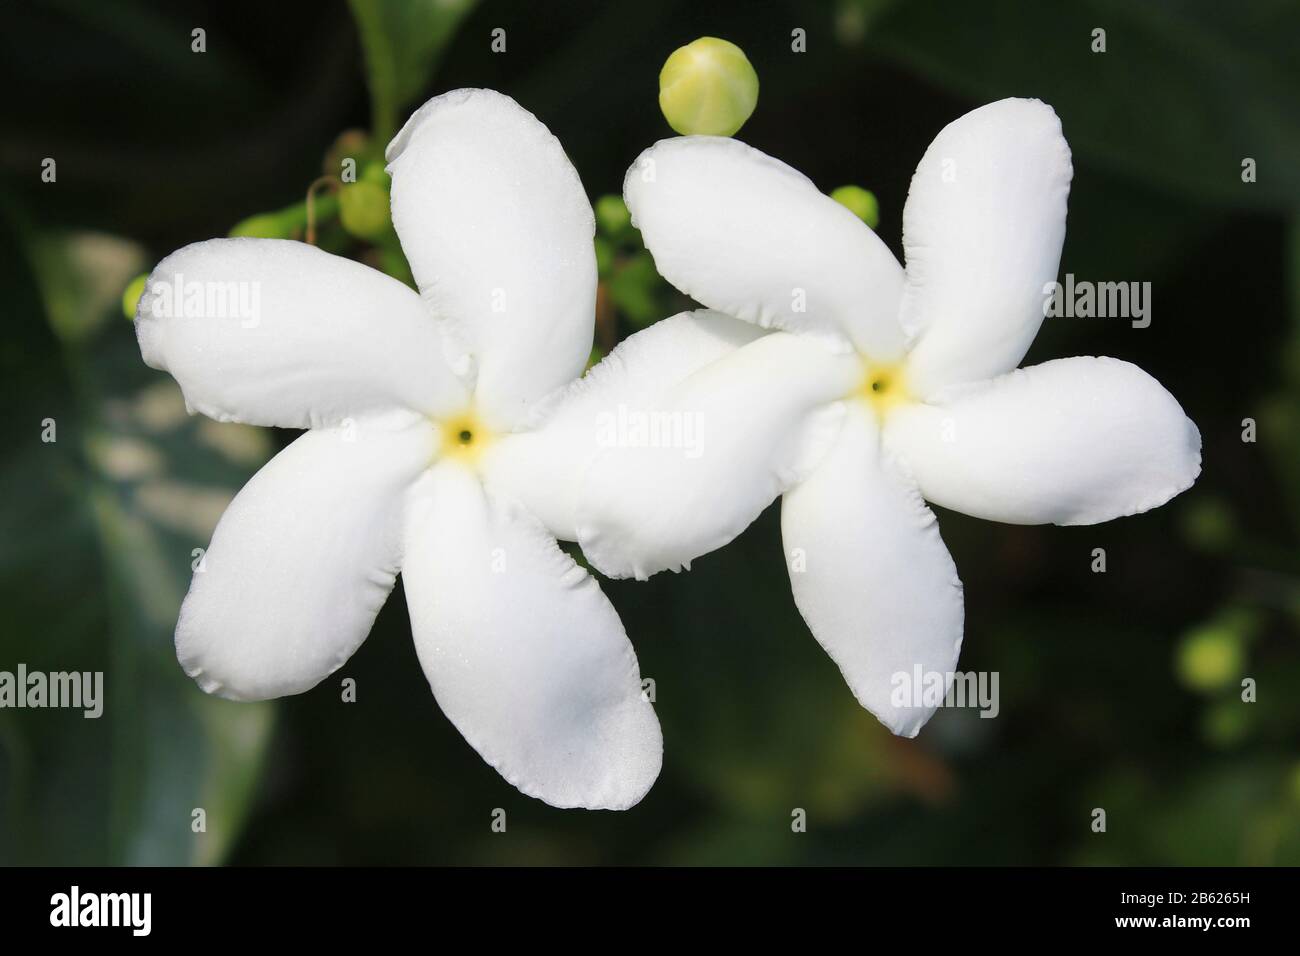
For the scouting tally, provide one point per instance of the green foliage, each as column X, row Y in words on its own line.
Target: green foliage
column 1182, row 94
column 634, row 293
column 402, row 40
column 101, row 525
column 634, row 287
column 288, row 223
column 612, row 217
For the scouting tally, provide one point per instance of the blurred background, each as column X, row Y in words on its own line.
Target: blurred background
column 1119, row 690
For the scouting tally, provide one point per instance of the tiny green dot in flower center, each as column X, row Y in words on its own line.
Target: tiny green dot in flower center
column 464, row 437
column 884, row 387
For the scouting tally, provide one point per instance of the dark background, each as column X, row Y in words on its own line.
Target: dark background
column 1118, row 690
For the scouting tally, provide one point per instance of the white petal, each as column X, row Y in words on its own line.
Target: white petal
column 982, row 234
column 542, row 466
column 877, row 588
column 682, row 474
column 524, row 653
column 1073, row 441
column 301, row 562
column 744, row 233
column 498, row 232
column 273, row 332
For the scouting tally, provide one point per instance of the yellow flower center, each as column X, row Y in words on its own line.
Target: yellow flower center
column 464, row 437
column 884, row 387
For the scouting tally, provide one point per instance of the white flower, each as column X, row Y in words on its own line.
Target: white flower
column 880, row 388
column 418, row 406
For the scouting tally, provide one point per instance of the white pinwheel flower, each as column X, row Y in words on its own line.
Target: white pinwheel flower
column 878, row 389
column 414, row 403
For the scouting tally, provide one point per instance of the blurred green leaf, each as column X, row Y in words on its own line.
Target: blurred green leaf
column 632, row 287
column 1218, row 81
column 159, row 40
column 402, row 40
column 103, row 523
column 1278, row 414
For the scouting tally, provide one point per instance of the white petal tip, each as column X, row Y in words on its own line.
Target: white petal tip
column 468, row 98
column 900, row 722
column 627, row 774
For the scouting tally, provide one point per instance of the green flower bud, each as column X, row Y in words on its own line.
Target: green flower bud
column 131, row 297
column 708, row 87
column 1210, row 657
column 267, row 225
column 375, row 173
column 861, row 202
column 352, row 144
column 612, row 216
column 363, row 209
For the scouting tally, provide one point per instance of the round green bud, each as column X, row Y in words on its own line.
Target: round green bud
column 375, row 173
column 861, row 202
column 363, row 209
column 1210, row 657
column 353, row 145
column 268, row 225
column 131, row 297
column 612, row 216
column 708, row 87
